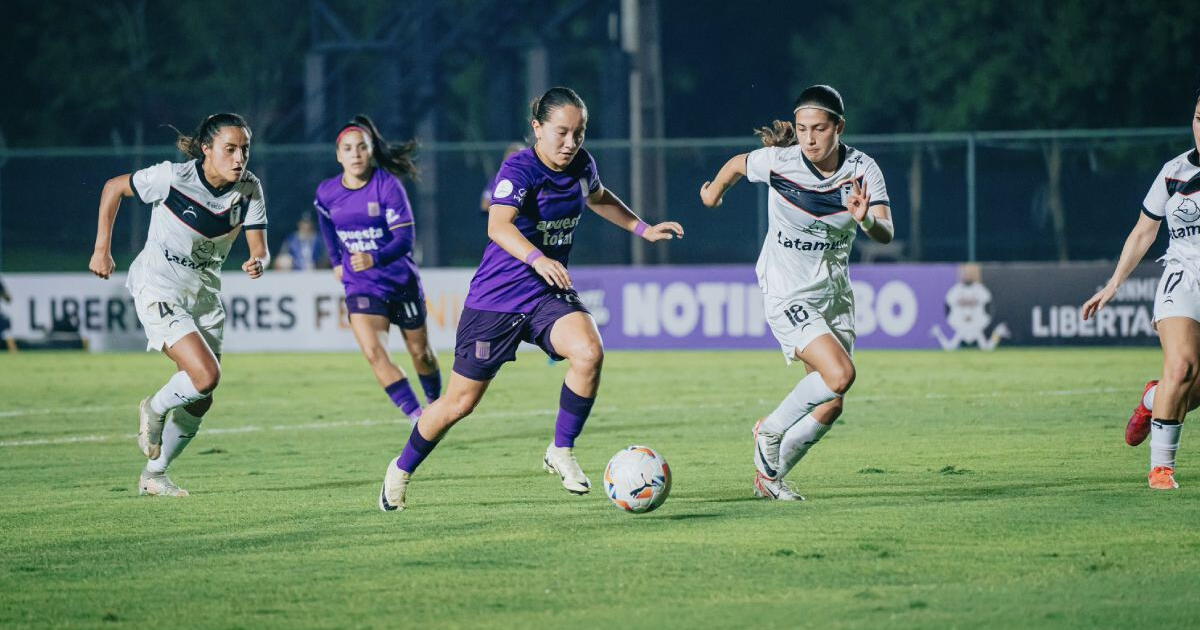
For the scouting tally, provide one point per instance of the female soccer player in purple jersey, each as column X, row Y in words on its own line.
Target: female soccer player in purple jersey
column 367, row 224
column 1175, row 197
column 199, row 208
column 522, row 290
column 821, row 193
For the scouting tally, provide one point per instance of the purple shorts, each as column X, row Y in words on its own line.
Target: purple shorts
column 488, row 339
column 406, row 309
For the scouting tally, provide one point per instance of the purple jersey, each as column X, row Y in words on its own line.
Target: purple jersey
column 375, row 219
column 549, row 205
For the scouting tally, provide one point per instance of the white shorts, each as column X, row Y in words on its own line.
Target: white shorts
column 797, row 322
column 167, row 322
column 1178, row 294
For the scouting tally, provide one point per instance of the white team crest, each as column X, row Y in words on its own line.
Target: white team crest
column 503, row 189
column 392, row 215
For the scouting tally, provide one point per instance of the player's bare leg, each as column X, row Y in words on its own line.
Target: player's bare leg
column 1180, row 339
column 371, row 333
column 416, row 341
column 199, row 373
column 575, row 337
column 460, row 399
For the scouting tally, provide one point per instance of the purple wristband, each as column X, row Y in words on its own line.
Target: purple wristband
column 533, row 255
column 641, row 228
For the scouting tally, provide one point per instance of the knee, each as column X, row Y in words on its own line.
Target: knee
column 377, row 356
column 461, row 406
column 834, row 409
column 840, row 378
column 1180, row 370
column 199, row 408
column 589, row 357
column 206, row 379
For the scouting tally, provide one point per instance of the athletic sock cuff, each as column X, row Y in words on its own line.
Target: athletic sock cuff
column 574, row 403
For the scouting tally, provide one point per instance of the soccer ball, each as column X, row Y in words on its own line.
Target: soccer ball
column 637, row 479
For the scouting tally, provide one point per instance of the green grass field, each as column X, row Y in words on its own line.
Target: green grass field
column 961, row 490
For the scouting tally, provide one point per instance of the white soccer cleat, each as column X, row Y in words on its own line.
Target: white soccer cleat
column 395, row 488
column 150, row 428
column 776, row 490
column 766, row 451
column 561, row 461
column 159, row 484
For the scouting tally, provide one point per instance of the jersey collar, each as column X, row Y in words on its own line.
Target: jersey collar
column 216, row 192
column 816, row 172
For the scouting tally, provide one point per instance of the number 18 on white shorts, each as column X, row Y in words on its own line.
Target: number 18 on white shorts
column 797, row 322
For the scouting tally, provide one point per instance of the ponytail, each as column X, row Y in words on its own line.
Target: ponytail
column 193, row 145
column 395, row 159
column 780, row 134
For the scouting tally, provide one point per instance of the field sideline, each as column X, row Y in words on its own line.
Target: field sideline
column 962, row 490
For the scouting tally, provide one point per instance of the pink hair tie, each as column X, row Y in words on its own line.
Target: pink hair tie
column 533, row 255
column 347, row 130
column 641, row 228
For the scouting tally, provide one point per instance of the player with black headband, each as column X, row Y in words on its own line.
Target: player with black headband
column 821, row 193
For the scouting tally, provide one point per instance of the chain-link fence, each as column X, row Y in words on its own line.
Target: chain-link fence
column 1056, row 195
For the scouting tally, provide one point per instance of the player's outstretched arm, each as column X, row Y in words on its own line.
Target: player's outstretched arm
column 1136, row 244
column 606, row 204
column 259, row 255
column 713, row 192
column 504, row 233
column 115, row 189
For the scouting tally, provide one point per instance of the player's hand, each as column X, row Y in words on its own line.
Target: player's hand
column 253, row 268
column 553, row 272
column 102, row 264
column 664, row 231
column 361, row 261
column 338, row 270
column 710, row 195
column 858, row 202
column 1097, row 302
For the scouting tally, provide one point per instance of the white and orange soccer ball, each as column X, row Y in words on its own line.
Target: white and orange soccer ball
column 637, row 479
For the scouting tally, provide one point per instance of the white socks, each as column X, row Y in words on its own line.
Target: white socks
column 177, row 392
column 810, row 392
column 797, row 441
column 1164, row 442
column 178, row 432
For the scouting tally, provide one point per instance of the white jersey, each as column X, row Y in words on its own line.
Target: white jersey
column 1174, row 196
column 809, row 229
column 192, row 228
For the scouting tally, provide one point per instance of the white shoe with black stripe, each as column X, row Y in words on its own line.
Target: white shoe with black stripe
column 561, row 461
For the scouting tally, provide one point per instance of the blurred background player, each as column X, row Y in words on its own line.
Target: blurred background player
column 485, row 199
column 199, row 208
column 522, row 291
column 821, row 191
column 303, row 250
column 368, row 227
column 1173, row 196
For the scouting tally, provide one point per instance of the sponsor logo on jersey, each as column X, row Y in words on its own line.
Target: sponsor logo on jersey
column 558, row 232
column 1184, row 231
column 811, row 246
column 363, row 240
column 188, row 263
column 392, row 215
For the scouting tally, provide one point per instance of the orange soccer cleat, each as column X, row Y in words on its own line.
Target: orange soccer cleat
column 1139, row 423
column 1163, row 478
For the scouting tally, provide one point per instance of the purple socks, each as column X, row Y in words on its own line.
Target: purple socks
column 415, row 452
column 402, row 394
column 573, row 411
column 432, row 384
